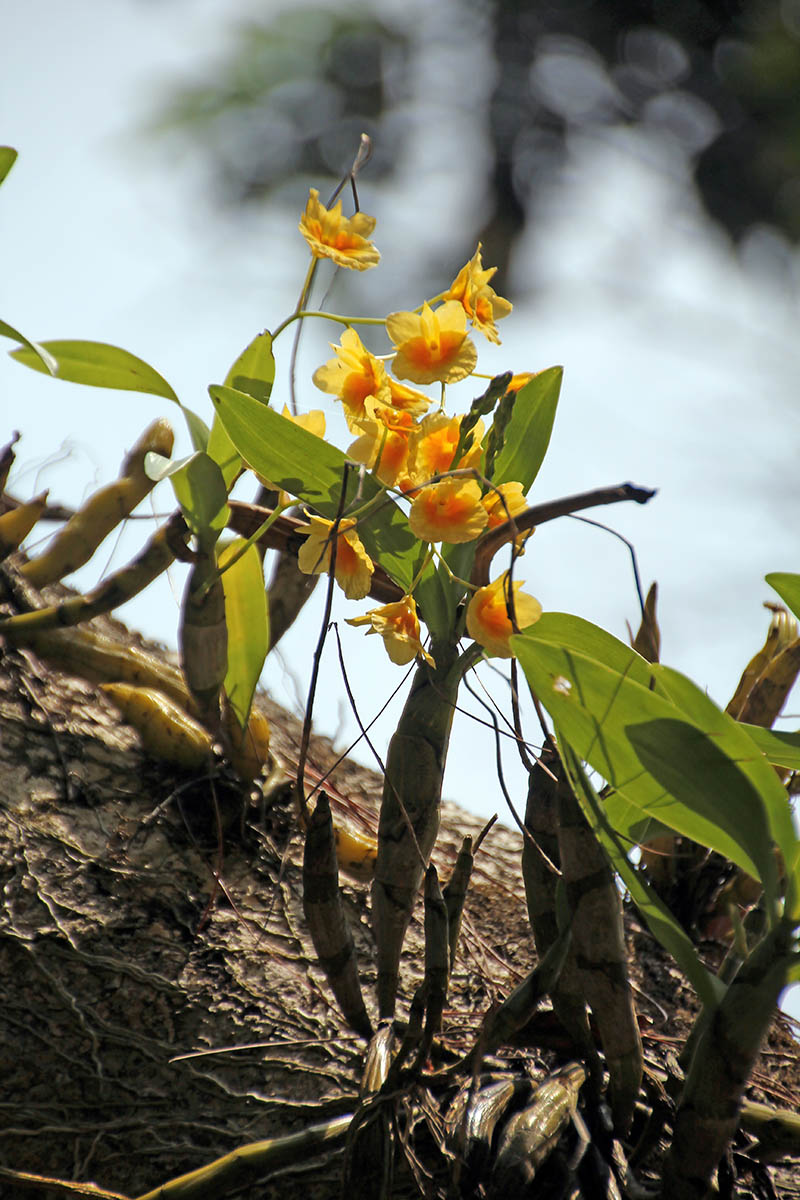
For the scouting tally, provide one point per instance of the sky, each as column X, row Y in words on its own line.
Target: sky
column 681, row 359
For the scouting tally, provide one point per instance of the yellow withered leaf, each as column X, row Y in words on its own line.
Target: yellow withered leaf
column 648, row 637
column 781, row 634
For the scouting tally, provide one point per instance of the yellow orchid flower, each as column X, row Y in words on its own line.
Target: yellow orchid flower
column 488, row 622
column 432, row 346
column 498, row 512
column 312, row 421
column 342, row 239
column 434, row 445
column 518, row 381
column 354, row 375
column 450, row 511
column 480, row 302
column 398, row 625
column 385, row 443
column 354, row 567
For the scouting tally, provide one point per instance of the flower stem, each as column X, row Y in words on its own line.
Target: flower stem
column 300, row 314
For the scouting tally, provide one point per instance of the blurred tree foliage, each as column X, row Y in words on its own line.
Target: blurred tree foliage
column 291, row 97
column 720, row 79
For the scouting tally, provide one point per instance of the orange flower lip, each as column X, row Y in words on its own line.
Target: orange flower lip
column 450, row 511
column 434, row 445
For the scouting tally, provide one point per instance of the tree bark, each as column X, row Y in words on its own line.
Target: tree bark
column 122, row 954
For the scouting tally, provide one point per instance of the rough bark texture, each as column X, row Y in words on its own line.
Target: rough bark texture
column 120, row 953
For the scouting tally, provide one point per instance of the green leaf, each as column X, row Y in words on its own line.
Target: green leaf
column 247, row 618
column 528, row 433
column 254, row 374
column 779, row 747
column 201, row 492
column 736, row 740
column 581, row 636
column 438, row 594
column 788, row 588
column 660, row 921
column 309, row 468
column 651, row 753
column 198, row 430
column 224, row 453
column 574, row 633
column 254, row 370
column 733, row 739
column 99, row 365
column 49, row 364
column 8, row 156
column 629, row 822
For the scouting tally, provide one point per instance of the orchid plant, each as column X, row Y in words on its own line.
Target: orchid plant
column 413, row 513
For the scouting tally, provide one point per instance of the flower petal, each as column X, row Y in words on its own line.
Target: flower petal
column 488, row 622
column 354, row 567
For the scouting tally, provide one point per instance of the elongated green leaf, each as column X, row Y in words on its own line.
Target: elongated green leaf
column 528, row 432
column 311, row 469
column 788, row 588
column 254, row 374
column 581, row 636
column 254, row 370
column 198, row 430
column 660, row 920
column 733, row 739
column 438, row 592
column 8, row 156
column 49, row 364
column 224, row 453
column 200, row 490
column 247, row 618
column 574, row 633
column 631, row 825
column 653, row 755
column 99, row 365
column 780, row 748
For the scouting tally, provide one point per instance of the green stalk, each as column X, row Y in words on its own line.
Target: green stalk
column 409, row 819
column 708, row 1113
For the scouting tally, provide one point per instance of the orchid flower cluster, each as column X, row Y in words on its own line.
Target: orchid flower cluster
column 412, row 452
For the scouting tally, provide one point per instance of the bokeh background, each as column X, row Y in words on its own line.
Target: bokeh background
column 633, row 169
